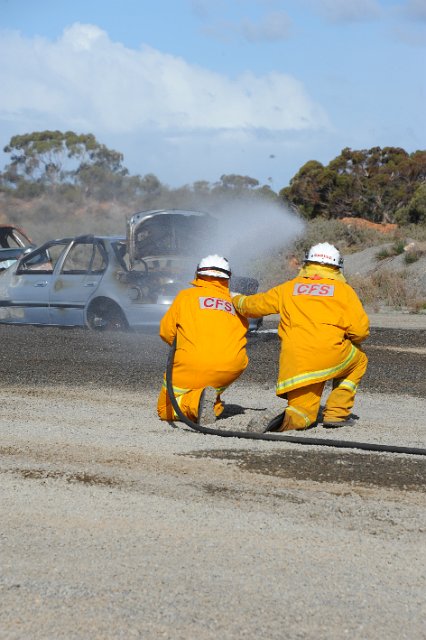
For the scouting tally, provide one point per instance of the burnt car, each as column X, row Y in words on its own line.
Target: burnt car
column 14, row 242
column 111, row 282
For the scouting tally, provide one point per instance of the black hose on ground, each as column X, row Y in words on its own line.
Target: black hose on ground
column 248, row 435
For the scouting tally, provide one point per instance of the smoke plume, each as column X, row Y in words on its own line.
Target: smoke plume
column 249, row 230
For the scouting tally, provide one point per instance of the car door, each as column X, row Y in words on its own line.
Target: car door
column 77, row 278
column 29, row 286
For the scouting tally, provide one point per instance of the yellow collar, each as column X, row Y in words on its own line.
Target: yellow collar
column 206, row 281
column 321, row 271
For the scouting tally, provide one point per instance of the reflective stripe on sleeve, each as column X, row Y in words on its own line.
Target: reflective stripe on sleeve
column 240, row 303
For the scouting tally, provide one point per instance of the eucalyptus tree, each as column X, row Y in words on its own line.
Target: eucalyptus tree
column 369, row 183
column 51, row 158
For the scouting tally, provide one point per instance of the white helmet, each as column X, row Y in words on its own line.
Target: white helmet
column 324, row 253
column 215, row 266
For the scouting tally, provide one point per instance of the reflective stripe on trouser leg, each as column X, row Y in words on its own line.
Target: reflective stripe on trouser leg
column 342, row 397
column 303, row 406
column 188, row 401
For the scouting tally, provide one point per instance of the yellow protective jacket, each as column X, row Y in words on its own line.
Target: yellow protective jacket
column 211, row 335
column 321, row 323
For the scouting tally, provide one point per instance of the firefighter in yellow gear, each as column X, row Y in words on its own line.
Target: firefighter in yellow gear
column 322, row 323
column 210, row 342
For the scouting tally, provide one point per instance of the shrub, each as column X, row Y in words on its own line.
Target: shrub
column 384, row 253
column 418, row 306
column 398, row 247
column 383, row 288
column 416, row 232
column 389, row 252
column 348, row 239
column 387, row 289
column 412, row 256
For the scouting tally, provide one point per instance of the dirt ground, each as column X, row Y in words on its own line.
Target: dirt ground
column 116, row 525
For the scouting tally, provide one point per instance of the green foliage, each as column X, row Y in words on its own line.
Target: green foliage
column 70, row 193
column 53, row 157
column 347, row 238
column 398, row 247
column 308, row 190
column 412, row 256
column 78, row 167
column 237, row 182
column 419, row 306
column 371, row 184
column 378, row 184
column 389, row 252
column 384, row 253
column 415, row 210
column 28, row 190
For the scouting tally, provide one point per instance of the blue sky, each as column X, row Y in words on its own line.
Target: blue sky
column 193, row 89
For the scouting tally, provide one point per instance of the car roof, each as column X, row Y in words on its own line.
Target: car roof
column 88, row 237
column 152, row 213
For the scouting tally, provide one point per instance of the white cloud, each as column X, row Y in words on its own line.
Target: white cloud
column 167, row 116
column 87, row 82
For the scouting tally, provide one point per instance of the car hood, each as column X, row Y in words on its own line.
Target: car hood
column 169, row 232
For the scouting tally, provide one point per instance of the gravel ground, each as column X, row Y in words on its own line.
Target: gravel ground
column 116, row 525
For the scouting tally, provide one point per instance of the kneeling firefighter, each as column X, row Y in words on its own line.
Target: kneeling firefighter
column 322, row 322
column 210, row 344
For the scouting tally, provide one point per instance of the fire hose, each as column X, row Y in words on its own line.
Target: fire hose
column 248, row 435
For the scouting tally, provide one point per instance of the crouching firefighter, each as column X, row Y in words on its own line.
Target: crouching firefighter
column 322, row 323
column 210, row 344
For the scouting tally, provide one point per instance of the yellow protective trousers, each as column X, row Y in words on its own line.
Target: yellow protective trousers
column 188, row 401
column 321, row 322
column 211, row 342
column 304, row 402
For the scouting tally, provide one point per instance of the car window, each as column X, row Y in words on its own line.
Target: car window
column 7, row 241
column 85, row 257
column 120, row 250
column 19, row 239
column 192, row 232
column 99, row 259
column 11, row 238
column 173, row 234
column 43, row 260
column 155, row 237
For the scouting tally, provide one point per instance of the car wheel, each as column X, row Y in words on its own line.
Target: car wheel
column 106, row 315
